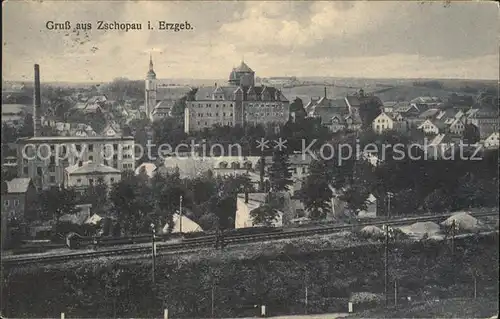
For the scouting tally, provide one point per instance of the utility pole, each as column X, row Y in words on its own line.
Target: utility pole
column 306, row 290
column 180, row 214
column 386, row 268
column 454, row 228
column 475, row 287
column 395, row 292
column 153, row 253
column 388, row 231
column 389, row 196
column 213, row 297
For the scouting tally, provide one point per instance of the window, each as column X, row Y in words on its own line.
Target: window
column 112, row 180
column 6, row 203
column 52, row 179
column 216, row 114
column 78, row 147
column 25, row 170
column 91, row 147
column 52, row 168
column 39, row 171
column 16, row 202
column 115, row 147
column 79, row 181
column 224, row 114
column 91, row 158
column 91, row 181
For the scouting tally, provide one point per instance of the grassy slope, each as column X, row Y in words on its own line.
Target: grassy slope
column 272, row 272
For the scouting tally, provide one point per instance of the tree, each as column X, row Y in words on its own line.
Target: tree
column 297, row 106
column 369, row 109
column 471, row 134
column 55, row 202
column 279, row 172
column 97, row 195
column 315, row 192
column 264, row 215
column 178, row 108
column 131, row 201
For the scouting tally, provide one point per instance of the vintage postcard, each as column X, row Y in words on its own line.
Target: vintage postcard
column 241, row 159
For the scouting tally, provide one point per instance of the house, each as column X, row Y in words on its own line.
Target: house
column 457, row 127
column 14, row 114
column 406, row 109
column 432, row 127
column 111, row 129
column 336, row 114
column 246, row 203
column 18, row 195
column 491, row 141
column 383, row 122
column 429, row 114
column 182, row 225
column 84, row 174
column 427, row 101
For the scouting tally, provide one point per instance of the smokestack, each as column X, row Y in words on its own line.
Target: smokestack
column 36, row 102
column 246, row 197
column 325, row 92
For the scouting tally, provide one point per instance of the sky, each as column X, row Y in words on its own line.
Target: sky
column 340, row 39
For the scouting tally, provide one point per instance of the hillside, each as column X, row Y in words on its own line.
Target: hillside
column 273, row 273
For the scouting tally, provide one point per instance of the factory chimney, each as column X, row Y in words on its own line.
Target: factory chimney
column 36, row 102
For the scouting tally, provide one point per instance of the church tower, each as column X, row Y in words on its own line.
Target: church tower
column 150, row 98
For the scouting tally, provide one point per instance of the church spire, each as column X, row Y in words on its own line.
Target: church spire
column 151, row 73
column 150, row 62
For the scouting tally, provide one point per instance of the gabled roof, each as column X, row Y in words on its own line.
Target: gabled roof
column 18, row 185
column 428, row 113
column 90, row 167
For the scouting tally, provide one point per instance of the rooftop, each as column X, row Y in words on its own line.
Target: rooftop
column 91, row 167
column 49, row 139
column 18, row 185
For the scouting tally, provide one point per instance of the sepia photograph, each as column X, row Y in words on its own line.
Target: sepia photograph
column 250, row 159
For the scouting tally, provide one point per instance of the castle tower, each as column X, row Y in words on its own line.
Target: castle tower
column 150, row 98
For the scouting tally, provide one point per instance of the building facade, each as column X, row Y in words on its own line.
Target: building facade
column 239, row 103
column 85, row 174
column 44, row 159
column 17, row 196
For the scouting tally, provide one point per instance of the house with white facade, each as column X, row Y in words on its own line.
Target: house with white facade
column 83, row 174
column 382, row 123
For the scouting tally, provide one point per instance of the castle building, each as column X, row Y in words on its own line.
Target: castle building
column 239, row 103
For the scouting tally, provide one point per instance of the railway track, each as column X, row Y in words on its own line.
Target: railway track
column 208, row 241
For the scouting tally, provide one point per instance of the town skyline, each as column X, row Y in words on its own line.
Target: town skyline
column 423, row 40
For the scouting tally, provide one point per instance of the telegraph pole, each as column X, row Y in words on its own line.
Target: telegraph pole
column 388, row 231
column 306, row 290
column 389, row 196
column 386, row 268
column 153, row 253
column 180, row 214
